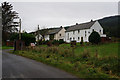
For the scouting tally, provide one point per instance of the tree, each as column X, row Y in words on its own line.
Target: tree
column 94, row 37
column 8, row 19
column 26, row 37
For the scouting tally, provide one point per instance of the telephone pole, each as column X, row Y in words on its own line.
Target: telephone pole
column 20, row 29
column 38, row 33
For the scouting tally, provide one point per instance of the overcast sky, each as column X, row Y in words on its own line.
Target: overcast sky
column 56, row 14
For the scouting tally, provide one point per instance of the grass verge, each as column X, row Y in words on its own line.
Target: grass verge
column 93, row 61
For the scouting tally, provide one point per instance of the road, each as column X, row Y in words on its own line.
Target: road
column 14, row 66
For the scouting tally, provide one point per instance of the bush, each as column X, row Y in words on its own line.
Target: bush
column 61, row 41
column 94, row 37
column 73, row 43
column 27, row 38
column 39, row 42
column 48, row 43
column 55, row 42
column 85, row 54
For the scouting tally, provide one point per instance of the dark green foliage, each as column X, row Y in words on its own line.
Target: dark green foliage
column 61, row 41
column 94, row 37
column 8, row 16
column 39, row 42
column 73, row 43
column 42, row 42
column 111, row 25
column 55, row 42
column 49, row 43
column 28, row 38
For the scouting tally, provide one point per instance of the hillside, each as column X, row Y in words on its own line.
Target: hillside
column 111, row 25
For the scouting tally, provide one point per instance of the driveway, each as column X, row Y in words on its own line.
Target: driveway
column 14, row 66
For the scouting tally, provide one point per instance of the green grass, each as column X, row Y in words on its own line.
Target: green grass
column 6, row 47
column 104, row 50
column 93, row 61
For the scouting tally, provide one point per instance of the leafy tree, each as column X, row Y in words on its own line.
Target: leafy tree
column 8, row 19
column 28, row 38
column 94, row 37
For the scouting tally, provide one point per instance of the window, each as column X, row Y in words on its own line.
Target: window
column 60, row 34
column 92, row 29
column 68, row 36
column 73, row 32
column 89, row 32
column 78, row 31
column 85, row 33
column 78, row 38
column 100, row 31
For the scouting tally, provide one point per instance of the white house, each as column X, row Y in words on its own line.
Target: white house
column 82, row 31
column 38, row 37
column 55, row 34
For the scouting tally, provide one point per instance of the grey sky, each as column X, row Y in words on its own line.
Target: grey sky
column 56, row 14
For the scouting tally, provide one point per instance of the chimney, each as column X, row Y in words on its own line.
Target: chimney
column 76, row 23
column 91, row 20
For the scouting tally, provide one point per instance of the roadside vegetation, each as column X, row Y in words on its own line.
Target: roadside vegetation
column 84, row 61
column 6, row 47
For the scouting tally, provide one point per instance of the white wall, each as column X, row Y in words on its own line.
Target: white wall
column 47, row 37
column 40, row 37
column 96, row 26
column 76, row 35
column 58, row 37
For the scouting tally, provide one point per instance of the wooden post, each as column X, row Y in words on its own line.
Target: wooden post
column 38, row 33
column 20, row 29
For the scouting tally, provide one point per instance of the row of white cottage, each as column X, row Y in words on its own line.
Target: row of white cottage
column 76, row 32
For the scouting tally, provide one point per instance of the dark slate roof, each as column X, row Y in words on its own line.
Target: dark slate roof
column 80, row 26
column 53, row 31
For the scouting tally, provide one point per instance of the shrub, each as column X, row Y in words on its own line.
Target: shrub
column 55, row 42
column 86, row 54
column 73, row 43
column 39, row 42
column 49, row 43
column 61, row 41
column 94, row 37
column 26, row 37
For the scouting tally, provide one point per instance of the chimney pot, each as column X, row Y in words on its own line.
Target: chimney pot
column 76, row 23
column 91, row 20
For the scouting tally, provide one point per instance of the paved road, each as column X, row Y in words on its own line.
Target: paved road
column 14, row 66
